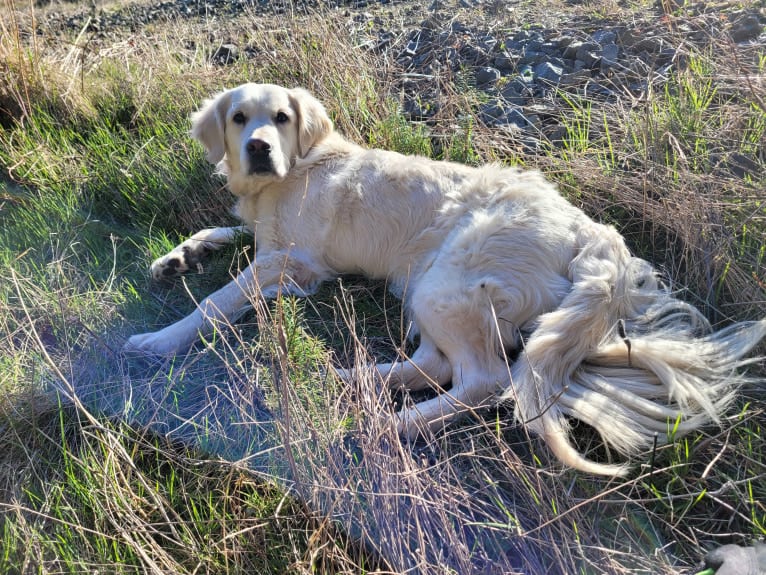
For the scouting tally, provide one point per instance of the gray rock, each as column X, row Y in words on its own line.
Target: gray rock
column 560, row 62
column 603, row 37
column 504, row 62
column 513, row 46
column 746, row 28
column 491, row 111
column 650, row 44
column 487, row 43
column 588, row 54
column 525, row 36
column 521, row 84
column 579, row 65
column 570, row 51
column 534, row 45
column 532, row 57
column 549, row 72
column 473, row 54
column 666, row 56
column 575, row 78
column 596, row 90
column 609, row 54
column 517, row 92
column 515, row 99
column 562, row 42
column 384, row 41
column 531, row 144
column 534, row 121
column 458, row 27
column 417, row 109
column 516, row 118
column 487, row 75
column 225, row 54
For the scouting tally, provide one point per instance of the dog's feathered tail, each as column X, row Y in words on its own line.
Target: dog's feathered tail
column 624, row 356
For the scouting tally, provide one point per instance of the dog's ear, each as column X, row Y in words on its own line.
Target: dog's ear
column 313, row 122
column 209, row 126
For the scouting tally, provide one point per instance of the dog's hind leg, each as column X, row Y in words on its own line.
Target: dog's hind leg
column 427, row 367
column 190, row 253
column 456, row 321
column 474, row 387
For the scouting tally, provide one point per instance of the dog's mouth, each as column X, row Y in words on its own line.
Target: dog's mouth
column 260, row 167
column 259, row 164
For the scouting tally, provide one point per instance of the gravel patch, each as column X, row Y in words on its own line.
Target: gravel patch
column 519, row 75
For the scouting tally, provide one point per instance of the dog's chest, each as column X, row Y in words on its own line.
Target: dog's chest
column 259, row 214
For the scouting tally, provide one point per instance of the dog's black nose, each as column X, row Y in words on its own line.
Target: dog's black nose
column 259, row 157
column 258, row 147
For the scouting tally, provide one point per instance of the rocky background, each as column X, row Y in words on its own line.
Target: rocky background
column 520, row 81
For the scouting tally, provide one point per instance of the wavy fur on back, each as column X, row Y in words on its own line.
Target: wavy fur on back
column 480, row 256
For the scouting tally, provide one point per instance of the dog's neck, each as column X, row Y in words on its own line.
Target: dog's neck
column 331, row 147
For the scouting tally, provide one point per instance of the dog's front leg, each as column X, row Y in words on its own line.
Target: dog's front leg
column 188, row 255
column 224, row 305
column 273, row 274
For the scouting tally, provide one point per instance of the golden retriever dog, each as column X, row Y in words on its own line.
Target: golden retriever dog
column 491, row 262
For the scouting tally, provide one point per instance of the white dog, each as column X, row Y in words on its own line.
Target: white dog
column 480, row 256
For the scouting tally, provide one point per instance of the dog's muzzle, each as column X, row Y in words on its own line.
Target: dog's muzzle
column 259, row 157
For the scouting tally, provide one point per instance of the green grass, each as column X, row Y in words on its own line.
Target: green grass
column 101, row 178
column 109, row 496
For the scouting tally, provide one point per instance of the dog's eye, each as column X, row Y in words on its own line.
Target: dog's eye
column 281, row 118
column 239, row 118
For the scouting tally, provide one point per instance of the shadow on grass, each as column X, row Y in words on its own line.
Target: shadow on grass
column 470, row 499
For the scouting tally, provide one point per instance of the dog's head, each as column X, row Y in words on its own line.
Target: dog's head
column 260, row 129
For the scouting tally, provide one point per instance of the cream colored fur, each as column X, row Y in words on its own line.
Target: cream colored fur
column 481, row 256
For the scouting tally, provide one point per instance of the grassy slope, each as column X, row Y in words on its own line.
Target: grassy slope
column 103, row 178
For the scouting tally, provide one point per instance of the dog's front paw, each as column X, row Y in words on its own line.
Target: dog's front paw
column 152, row 343
column 177, row 262
column 173, row 339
